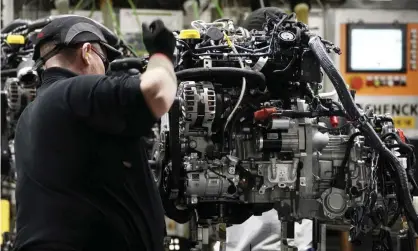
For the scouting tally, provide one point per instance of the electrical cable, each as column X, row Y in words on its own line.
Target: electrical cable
column 355, row 114
column 244, row 83
column 344, row 168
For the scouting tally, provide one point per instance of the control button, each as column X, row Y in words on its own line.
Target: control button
column 403, row 81
column 396, row 80
column 383, row 81
column 369, row 81
column 413, row 62
column 356, row 83
column 413, row 41
column 376, row 81
column 390, row 81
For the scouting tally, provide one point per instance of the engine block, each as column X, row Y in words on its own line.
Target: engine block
column 289, row 155
column 249, row 131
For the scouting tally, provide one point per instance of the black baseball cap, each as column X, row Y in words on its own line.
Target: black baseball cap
column 68, row 31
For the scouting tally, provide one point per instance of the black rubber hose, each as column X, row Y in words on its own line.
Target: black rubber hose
column 16, row 31
column 354, row 113
column 394, row 218
column 334, row 75
column 175, row 147
column 404, row 146
column 14, row 24
column 402, row 177
column 127, row 63
column 344, row 168
column 254, row 79
column 38, row 24
column 398, row 140
column 314, row 114
column 9, row 72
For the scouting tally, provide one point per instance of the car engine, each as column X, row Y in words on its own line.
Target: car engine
column 250, row 131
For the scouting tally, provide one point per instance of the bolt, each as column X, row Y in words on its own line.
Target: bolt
column 192, row 144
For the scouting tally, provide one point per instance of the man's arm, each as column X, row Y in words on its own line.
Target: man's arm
column 159, row 84
column 127, row 104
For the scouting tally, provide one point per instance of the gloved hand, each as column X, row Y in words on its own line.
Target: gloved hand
column 158, row 39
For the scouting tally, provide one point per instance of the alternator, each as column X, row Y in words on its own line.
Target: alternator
column 198, row 104
column 13, row 95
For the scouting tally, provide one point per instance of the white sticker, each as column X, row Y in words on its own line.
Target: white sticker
column 272, row 135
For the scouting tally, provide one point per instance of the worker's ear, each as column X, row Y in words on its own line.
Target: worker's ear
column 86, row 53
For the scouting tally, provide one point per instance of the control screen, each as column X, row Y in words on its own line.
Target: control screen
column 376, row 50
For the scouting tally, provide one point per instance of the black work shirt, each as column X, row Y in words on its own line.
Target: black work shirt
column 83, row 176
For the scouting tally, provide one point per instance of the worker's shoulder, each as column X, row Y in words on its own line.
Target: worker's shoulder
column 89, row 80
column 83, row 79
column 62, row 86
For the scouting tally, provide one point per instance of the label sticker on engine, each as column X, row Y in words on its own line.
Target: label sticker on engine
column 302, row 181
column 213, row 182
column 272, row 136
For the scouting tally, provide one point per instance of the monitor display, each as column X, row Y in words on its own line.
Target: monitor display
column 376, row 50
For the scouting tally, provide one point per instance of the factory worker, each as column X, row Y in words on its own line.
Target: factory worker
column 83, row 177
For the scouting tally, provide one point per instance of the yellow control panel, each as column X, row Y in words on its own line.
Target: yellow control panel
column 401, row 80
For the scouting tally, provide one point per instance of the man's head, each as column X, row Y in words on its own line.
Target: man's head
column 76, row 43
column 83, row 58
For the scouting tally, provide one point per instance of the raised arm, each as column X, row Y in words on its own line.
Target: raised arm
column 159, row 81
column 159, row 84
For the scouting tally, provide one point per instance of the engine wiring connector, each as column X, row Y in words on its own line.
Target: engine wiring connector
column 264, row 113
column 334, row 121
